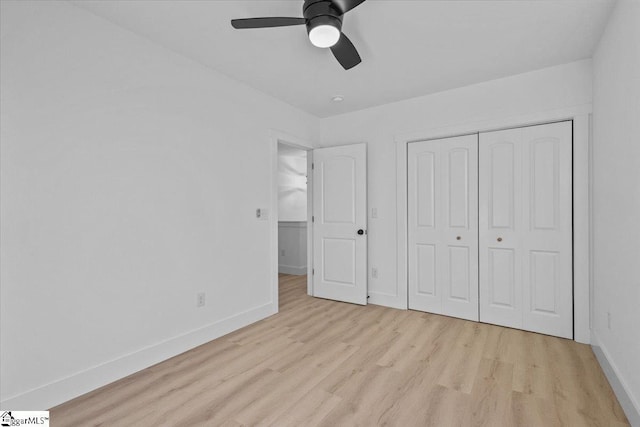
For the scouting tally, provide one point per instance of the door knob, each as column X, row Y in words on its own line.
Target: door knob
column 458, row 238
column 499, row 239
column 361, row 232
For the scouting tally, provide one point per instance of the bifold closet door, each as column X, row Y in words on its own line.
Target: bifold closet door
column 443, row 226
column 526, row 259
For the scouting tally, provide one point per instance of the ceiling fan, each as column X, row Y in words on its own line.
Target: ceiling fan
column 323, row 19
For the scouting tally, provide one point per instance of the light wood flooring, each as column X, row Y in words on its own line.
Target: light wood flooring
column 326, row 363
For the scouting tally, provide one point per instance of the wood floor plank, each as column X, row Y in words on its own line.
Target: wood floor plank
column 310, row 409
column 491, row 395
column 462, row 366
column 324, row 363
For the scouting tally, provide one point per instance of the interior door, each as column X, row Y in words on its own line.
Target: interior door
column 443, row 226
column 340, row 223
column 526, row 254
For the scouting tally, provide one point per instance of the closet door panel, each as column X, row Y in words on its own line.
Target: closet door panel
column 500, row 223
column 460, row 231
column 525, row 233
column 424, row 176
column 547, row 240
column 442, row 205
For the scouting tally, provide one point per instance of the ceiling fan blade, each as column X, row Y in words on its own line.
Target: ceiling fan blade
column 346, row 53
column 266, row 22
column 346, row 5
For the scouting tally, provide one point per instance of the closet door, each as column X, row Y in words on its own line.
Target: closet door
column 526, row 258
column 443, row 245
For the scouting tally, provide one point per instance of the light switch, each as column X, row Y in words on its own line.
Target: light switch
column 262, row 214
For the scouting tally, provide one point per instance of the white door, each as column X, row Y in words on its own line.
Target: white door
column 443, row 226
column 526, row 260
column 340, row 223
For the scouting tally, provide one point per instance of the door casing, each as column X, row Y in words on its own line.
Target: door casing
column 276, row 137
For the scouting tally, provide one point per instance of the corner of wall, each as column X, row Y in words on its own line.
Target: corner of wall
column 629, row 404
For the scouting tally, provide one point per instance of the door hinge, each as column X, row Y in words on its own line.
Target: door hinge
column 313, row 218
column 313, row 166
column 313, row 271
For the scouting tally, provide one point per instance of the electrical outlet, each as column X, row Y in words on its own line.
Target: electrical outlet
column 374, row 212
column 374, row 273
column 200, row 299
column 609, row 320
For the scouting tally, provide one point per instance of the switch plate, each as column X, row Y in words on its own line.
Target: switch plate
column 262, row 214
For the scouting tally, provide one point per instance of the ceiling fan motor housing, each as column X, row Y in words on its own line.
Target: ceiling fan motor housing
column 321, row 12
column 323, row 19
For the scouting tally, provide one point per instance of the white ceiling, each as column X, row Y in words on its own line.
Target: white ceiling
column 408, row 48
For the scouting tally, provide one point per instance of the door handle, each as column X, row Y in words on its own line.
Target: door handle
column 361, row 232
column 458, row 238
column 499, row 239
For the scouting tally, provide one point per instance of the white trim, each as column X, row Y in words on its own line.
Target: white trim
column 310, row 222
column 290, row 269
column 630, row 405
column 387, row 300
column 581, row 230
column 277, row 136
column 292, row 224
column 581, row 215
column 65, row 389
column 495, row 124
column 591, row 245
column 402, row 284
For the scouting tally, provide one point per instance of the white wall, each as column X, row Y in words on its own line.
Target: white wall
column 539, row 91
column 130, row 179
column 616, row 195
column 292, row 184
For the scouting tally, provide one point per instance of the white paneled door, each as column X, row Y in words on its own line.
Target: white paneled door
column 340, row 223
column 443, row 226
column 525, row 238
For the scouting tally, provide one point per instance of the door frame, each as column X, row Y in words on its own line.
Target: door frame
column 279, row 137
column 581, row 117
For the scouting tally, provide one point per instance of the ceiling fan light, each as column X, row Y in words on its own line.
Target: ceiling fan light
column 324, row 35
column 324, row 30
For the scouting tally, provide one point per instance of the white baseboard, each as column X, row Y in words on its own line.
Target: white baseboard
column 385, row 300
column 65, row 389
column 625, row 397
column 288, row 269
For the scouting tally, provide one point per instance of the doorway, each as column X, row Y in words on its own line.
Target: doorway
column 334, row 246
column 292, row 210
column 291, row 204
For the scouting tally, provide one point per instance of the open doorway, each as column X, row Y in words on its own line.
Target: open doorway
column 293, row 191
column 292, row 210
